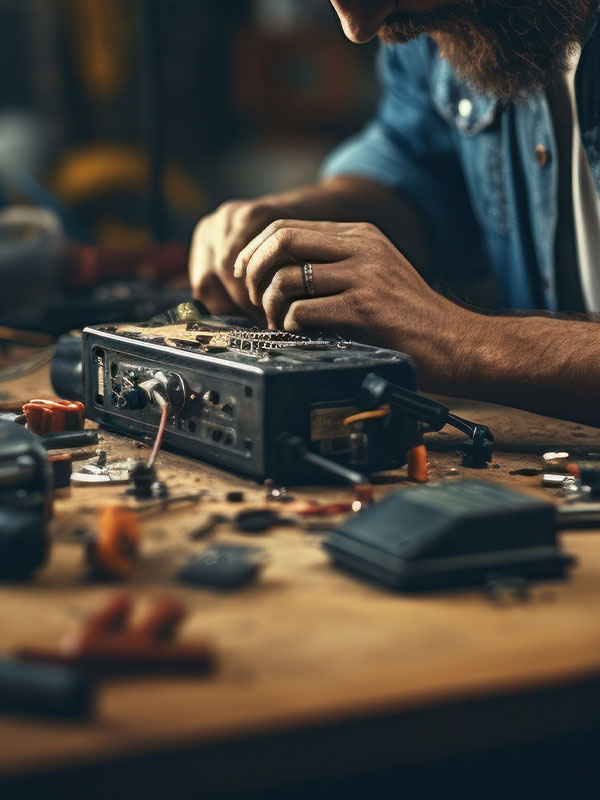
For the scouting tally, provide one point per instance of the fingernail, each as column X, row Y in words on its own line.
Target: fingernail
column 238, row 267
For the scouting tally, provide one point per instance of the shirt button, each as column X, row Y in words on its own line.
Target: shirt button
column 542, row 155
column 465, row 107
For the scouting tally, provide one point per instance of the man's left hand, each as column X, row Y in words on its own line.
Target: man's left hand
column 364, row 288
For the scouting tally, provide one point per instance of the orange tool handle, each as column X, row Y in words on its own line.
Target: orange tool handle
column 51, row 416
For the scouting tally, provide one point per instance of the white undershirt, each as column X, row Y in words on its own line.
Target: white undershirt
column 586, row 207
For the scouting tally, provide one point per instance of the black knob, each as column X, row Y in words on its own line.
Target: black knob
column 135, row 399
column 176, row 392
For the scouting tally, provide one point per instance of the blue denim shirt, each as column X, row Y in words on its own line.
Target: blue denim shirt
column 470, row 166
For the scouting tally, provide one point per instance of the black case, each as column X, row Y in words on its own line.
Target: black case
column 451, row 534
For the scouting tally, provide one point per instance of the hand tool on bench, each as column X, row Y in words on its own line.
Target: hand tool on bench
column 109, row 645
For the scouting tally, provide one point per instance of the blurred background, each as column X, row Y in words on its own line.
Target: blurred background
column 239, row 96
column 125, row 121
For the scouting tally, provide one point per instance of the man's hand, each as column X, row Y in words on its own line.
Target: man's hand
column 364, row 288
column 217, row 241
column 219, row 237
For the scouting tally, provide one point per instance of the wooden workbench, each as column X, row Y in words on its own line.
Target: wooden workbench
column 319, row 674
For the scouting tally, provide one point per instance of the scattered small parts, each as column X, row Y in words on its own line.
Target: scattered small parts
column 206, row 525
column 276, row 493
column 258, row 520
column 99, row 471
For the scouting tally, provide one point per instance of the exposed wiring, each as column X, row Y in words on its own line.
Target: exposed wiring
column 162, row 402
column 362, row 416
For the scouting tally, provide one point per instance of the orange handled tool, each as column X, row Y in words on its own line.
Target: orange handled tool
column 113, row 550
column 51, row 416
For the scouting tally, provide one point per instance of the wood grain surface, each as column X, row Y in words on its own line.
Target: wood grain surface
column 306, row 646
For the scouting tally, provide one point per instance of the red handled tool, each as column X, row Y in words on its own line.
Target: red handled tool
column 109, row 645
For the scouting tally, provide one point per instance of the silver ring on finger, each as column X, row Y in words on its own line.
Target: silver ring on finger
column 308, row 279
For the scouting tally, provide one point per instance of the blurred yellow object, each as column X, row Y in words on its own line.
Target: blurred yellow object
column 100, row 38
column 113, row 232
column 105, row 168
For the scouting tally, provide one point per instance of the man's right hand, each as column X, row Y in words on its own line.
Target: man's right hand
column 217, row 241
column 221, row 236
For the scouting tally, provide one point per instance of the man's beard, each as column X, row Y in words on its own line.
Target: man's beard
column 508, row 48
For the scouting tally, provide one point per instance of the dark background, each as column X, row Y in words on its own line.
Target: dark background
column 235, row 97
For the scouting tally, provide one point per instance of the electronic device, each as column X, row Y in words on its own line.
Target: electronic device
column 262, row 403
column 26, row 483
column 451, row 534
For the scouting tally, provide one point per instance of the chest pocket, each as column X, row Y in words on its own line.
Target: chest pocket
column 474, row 119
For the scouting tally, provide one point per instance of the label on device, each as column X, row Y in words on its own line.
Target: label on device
column 328, row 422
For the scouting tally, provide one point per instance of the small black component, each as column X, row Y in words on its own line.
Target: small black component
column 234, row 497
column 66, row 368
column 176, row 392
column 61, row 470
column 294, row 449
column 589, row 475
column 223, row 566
column 529, row 472
column 135, row 399
column 44, row 690
column 208, row 524
column 451, row 534
column 257, row 521
column 67, row 439
column 477, row 450
column 143, row 477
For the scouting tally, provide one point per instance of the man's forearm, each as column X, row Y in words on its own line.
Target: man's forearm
column 539, row 363
column 349, row 198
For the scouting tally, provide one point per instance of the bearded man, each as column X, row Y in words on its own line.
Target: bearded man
column 487, row 135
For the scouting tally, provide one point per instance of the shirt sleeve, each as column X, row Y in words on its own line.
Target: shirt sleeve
column 411, row 148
